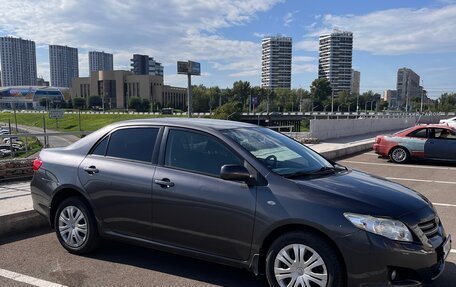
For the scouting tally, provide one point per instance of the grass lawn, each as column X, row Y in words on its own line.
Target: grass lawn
column 89, row 122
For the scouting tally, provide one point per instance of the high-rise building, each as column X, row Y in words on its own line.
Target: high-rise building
column 335, row 61
column 276, row 62
column 64, row 65
column 408, row 87
column 355, row 81
column 390, row 96
column 100, row 61
column 145, row 65
column 18, row 62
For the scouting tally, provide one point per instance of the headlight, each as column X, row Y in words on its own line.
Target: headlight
column 392, row 229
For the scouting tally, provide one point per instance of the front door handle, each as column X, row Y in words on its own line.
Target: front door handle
column 165, row 183
column 91, row 169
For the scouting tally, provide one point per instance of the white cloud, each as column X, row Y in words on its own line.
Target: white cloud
column 289, row 18
column 309, row 44
column 168, row 30
column 398, row 31
column 259, row 35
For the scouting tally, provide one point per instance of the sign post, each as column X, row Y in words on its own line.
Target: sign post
column 189, row 68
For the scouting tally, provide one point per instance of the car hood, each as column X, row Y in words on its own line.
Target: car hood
column 359, row 192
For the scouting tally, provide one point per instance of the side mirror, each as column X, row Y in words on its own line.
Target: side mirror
column 235, row 172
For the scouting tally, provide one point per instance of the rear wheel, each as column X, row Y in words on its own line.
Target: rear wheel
column 303, row 259
column 399, row 155
column 75, row 226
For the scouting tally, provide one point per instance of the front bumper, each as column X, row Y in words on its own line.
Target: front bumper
column 371, row 260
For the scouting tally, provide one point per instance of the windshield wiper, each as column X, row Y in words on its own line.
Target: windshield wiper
column 323, row 170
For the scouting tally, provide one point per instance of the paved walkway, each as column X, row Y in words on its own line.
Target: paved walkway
column 15, row 197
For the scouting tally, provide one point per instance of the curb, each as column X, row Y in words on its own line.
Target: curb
column 345, row 151
column 19, row 222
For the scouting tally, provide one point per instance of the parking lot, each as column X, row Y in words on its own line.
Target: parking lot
column 38, row 258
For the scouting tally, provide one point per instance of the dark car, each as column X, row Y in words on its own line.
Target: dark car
column 241, row 195
column 434, row 142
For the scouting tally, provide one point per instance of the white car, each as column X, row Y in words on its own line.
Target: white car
column 451, row 121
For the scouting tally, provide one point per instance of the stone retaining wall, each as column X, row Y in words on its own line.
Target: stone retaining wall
column 15, row 169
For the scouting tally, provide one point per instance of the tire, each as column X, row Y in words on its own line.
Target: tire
column 328, row 264
column 75, row 226
column 399, row 155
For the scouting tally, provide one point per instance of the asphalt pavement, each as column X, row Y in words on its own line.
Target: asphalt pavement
column 37, row 255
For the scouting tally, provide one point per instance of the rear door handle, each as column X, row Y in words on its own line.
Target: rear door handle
column 91, row 169
column 165, row 183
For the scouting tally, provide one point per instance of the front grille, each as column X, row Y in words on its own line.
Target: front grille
column 430, row 227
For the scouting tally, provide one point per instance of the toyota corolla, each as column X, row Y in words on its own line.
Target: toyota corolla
column 240, row 195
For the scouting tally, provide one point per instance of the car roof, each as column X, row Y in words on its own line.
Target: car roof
column 201, row 123
column 434, row 126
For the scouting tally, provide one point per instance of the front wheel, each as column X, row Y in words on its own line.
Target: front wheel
column 399, row 155
column 303, row 259
column 75, row 226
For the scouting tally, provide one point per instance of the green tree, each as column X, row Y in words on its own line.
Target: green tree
column 135, row 104
column 69, row 103
column 320, row 91
column 241, row 93
column 200, row 99
column 79, row 103
column 95, row 101
column 145, row 106
column 382, row 105
column 229, row 111
column 447, row 102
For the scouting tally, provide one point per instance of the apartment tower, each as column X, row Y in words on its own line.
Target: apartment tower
column 145, row 65
column 276, row 62
column 18, row 62
column 100, row 61
column 335, row 61
column 64, row 65
column 407, row 87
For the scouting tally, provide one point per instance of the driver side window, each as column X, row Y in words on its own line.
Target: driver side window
column 197, row 152
column 444, row 134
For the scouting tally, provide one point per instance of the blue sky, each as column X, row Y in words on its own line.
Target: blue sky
column 225, row 35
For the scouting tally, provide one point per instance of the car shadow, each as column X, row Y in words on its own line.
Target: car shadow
column 177, row 265
column 448, row 278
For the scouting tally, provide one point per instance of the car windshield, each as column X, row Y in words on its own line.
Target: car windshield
column 278, row 152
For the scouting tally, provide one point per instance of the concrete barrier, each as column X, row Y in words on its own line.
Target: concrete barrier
column 333, row 128
column 339, row 128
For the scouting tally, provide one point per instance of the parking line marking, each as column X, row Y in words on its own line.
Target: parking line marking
column 453, row 251
column 399, row 165
column 421, row 180
column 444, row 204
column 27, row 279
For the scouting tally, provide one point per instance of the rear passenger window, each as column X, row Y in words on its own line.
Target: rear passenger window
column 133, row 144
column 421, row 133
column 197, row 152
column 100, row 149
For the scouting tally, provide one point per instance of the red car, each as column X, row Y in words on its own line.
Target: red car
column 437, row 142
